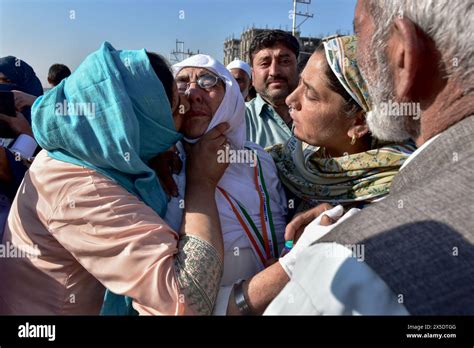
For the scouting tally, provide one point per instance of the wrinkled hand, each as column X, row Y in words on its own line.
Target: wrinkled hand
column 23, row 99
column 15, row 125
column 202, row 166
column 165, row 165
column 296, row 226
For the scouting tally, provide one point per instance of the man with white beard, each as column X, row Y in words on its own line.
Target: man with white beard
column 418, row 242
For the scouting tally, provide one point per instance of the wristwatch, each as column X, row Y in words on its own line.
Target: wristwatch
column 240, row 300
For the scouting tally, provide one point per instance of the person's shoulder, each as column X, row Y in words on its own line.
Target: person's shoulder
column 48, row 171
column 61, row 180
column 344, row 279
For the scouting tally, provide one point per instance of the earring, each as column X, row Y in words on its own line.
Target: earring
column 353, row 140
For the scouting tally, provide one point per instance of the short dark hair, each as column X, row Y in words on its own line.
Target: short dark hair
column 269, row 38
column 163, row 71
column 57, row 73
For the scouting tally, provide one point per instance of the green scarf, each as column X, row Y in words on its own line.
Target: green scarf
column 360, row 177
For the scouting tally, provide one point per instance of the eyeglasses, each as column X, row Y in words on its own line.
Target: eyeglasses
column 205, row 81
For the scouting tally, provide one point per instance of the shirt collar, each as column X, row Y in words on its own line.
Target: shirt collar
column 260, row 103
column 417, row 151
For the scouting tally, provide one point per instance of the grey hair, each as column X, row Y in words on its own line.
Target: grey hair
column 447, row 22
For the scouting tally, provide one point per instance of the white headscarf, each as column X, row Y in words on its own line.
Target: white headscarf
column 232, row 108
column 238, row 178
column 240, row 64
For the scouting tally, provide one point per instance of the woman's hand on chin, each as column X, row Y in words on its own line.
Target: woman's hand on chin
column 202, row 166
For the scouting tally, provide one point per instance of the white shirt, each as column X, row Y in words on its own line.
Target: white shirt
column 328, row 280
column 240, row 261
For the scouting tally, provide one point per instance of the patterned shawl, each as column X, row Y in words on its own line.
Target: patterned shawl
column 360, row 177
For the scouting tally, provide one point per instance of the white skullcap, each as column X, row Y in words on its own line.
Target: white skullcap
column 240, row 64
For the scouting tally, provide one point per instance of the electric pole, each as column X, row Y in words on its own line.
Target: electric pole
column 301, row 14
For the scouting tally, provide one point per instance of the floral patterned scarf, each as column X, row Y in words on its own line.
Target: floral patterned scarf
column 360, row 177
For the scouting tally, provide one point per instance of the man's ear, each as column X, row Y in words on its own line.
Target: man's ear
column 404, row 52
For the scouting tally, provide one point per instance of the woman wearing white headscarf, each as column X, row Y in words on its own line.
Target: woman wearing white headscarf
column 251, row 201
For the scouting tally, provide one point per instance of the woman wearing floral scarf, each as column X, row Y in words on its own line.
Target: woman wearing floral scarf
column 332, row 157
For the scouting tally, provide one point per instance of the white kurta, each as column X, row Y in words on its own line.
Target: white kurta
column 240, row 261
column 336, row 285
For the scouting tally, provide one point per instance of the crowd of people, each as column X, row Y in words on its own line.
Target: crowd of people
column 136, row 188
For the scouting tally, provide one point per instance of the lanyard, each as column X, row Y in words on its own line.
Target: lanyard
column 264, row 242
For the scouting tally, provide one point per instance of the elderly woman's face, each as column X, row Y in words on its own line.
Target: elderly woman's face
column 317, row 111
column 203, row 102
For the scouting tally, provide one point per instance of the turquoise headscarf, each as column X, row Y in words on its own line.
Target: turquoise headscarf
column 111, row 115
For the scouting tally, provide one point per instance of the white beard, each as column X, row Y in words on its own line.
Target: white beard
column 382, row 125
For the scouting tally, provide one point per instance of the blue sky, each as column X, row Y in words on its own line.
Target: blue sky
column 42, row 32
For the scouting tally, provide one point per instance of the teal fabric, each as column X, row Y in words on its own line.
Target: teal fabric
column 264, row 126
column 130, row 122
column 117, row 305
column 117, row 118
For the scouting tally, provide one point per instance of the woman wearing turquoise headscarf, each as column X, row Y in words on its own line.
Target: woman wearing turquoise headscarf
column 87, row 214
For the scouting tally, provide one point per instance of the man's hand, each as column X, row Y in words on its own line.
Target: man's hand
column 296, row 226
column 16, row 125
column 23, row 99
column 327, row 220
column 318, row 228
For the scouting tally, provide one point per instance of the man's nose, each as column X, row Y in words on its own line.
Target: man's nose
column 275, row 69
